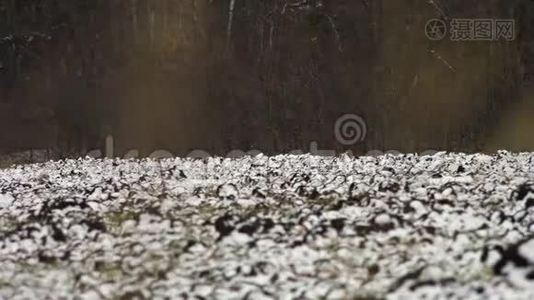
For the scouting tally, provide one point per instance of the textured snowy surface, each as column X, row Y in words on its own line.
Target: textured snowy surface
column 398, row 227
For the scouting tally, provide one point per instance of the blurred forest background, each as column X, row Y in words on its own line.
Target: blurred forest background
column 272, row 75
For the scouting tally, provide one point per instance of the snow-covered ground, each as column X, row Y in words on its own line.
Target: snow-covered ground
column 399, row 227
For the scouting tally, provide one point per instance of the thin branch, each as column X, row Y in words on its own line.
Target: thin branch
column 440, row 58
column 230, row 24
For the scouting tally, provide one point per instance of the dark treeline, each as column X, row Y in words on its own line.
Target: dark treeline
column 271, row 75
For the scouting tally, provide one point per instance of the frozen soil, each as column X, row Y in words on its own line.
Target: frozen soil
column 451, row 226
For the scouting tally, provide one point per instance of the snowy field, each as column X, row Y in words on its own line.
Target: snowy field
column 448, row 226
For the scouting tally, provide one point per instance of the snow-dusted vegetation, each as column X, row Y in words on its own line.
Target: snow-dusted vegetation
column 401, row 227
